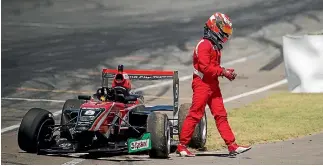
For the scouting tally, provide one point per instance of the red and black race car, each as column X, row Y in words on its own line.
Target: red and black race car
column 111, row 120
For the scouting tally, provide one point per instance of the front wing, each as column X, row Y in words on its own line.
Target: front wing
column 132, row 145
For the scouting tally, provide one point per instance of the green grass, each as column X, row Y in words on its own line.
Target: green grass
column 279, row 117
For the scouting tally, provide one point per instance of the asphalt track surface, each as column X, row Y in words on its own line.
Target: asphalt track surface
column 55, row 50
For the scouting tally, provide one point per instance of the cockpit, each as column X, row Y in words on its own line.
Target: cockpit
column 116, row 94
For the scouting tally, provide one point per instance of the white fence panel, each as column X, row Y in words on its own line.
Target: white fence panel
column 303, row 58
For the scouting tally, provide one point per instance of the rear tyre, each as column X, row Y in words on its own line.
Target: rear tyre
column 65, row 119
column 198, row 140
column 158, row 126
column 33, row 130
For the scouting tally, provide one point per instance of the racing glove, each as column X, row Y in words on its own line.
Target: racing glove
column 229, row 74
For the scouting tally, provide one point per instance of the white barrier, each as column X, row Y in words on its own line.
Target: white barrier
column 303, row 58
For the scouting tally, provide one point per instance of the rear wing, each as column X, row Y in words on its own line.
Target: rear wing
column 139, row 74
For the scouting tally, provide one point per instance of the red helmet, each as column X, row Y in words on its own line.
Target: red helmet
column 219, row 28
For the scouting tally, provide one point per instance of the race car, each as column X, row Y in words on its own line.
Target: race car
column 111, row 120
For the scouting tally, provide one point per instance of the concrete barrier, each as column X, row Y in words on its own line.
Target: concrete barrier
column 303, row 58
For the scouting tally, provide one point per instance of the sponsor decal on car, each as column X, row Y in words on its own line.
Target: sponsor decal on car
column 137, row 145
column 89, row 112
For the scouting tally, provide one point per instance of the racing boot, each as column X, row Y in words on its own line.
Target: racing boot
column 235, row 149
column 183, row 151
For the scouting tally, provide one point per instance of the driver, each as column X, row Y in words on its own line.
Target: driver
column 122, row 79
column 205, row 84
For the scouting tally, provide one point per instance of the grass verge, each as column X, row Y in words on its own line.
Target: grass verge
column 279, row 117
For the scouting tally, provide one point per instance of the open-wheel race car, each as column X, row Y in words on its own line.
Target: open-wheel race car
column 113, row 119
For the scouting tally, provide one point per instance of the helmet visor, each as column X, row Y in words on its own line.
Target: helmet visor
column 228, row 30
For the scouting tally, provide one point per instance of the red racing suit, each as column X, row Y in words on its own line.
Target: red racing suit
column 122, row 79
column 206, row 90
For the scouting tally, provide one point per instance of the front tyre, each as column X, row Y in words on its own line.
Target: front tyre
column 159, row 128
column 34, row 129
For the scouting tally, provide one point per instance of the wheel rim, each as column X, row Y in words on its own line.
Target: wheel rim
column 203, row 126
column 167, row 134
column 168, row 141
column 43, row 132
